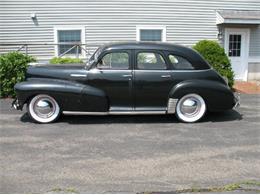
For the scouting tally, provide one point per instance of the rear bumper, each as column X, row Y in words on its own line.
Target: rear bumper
column 237, row 100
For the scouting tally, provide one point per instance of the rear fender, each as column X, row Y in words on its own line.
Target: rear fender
column 71, row 96
column 217, row 95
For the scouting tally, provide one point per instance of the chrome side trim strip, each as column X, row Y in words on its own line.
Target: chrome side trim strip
column 171, row 105
column 84, row 113
column 78, row 75
column 137, row 70
column 114, row 113
column 136, row 112
column 203, row 70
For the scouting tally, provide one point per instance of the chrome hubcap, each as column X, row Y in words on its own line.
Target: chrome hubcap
column 44, row 108
column 190, row 106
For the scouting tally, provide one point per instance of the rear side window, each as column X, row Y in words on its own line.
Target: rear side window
column 150, row 61
column 114, row 60
column 180, row 63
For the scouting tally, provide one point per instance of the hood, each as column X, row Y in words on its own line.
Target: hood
column 54, row 71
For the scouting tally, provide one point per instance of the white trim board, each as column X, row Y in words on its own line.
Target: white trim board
column 221, row 20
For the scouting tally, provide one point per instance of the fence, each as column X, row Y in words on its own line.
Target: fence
column 25, row 47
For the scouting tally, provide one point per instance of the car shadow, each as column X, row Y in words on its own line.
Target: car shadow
column 231, row 115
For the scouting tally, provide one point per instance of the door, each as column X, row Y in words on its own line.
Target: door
column 113, row 74
column 152, row 81
column 237, row 48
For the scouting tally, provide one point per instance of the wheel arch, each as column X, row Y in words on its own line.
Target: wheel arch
column 70, row 96
column 208, row 90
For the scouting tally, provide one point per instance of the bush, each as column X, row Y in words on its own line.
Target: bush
column 13, row 66
column 216, row 56
column 66, row 60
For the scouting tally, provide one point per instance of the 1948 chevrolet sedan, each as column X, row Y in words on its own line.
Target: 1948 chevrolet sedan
column 127, row 78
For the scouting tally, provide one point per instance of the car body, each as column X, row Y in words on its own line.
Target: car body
column 127, row 78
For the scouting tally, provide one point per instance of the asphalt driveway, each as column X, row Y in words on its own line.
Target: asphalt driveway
column 119, row 154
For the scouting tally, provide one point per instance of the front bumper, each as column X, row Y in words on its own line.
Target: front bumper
column 16, row 105
column 237, row 100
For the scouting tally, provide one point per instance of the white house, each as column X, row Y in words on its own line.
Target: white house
column 52, row 27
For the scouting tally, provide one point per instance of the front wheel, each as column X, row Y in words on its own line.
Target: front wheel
column 190, row 108
column 43, row 109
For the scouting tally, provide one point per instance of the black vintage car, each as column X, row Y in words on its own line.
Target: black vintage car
column 127, row 78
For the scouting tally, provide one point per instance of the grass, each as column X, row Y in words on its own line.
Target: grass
column 250, row 184
column 245, row 186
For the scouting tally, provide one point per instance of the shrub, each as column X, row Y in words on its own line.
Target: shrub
column 13, row 66
column 66, row 60
column 216, row 56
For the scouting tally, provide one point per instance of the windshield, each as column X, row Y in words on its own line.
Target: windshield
column 94, row 57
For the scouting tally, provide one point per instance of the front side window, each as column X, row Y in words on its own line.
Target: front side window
column 180, row 63
column 114, row 60
column 150, row 61
column 67, row 39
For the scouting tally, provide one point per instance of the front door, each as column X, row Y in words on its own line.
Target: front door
column 237, row 48
column 152, row 81
column 113, row 75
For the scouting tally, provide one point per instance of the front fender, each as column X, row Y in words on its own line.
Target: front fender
column 217, row 96
column 71, row 96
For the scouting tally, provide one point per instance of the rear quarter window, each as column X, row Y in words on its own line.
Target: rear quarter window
column 180, row 63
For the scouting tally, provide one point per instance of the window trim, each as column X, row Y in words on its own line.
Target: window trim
column 114, row 51
column 83, row 40
column 150, row 27
column 151, row 51
column 172, row 65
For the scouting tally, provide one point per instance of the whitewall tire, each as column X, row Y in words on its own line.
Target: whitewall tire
column 190, row 108
column 43, row 109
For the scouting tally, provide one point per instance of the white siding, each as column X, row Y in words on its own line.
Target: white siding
column 186, row 21
column 254, row 49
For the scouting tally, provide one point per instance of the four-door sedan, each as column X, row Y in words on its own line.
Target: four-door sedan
column 127, row 78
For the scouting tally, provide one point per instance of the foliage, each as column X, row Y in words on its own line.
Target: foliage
column 65, row 60
column 216, row 56
column 13, row 66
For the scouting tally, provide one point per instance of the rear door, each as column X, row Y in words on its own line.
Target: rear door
column 152, row 80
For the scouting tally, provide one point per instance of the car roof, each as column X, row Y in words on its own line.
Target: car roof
column 195, row 58
column 144, row 45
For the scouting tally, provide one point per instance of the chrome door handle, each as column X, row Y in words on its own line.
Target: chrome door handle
column 166, row 76
column 127, row 75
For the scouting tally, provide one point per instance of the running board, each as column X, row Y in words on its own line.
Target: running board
column 115, row 113
column 169, row 110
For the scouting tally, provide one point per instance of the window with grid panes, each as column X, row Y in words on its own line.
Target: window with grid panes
column 67, row 39
column 234, row 45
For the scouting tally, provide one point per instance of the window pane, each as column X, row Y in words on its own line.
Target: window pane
column 68, row 50
column 150, row 61
column 115, row 60
column 234, row 45
column 180, row 63
column 150, row 35
column 69, row 36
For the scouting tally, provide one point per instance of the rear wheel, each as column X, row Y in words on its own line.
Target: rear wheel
column 190, row 108
column 43, row 109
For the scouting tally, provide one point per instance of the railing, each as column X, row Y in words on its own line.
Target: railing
column 27, row 46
